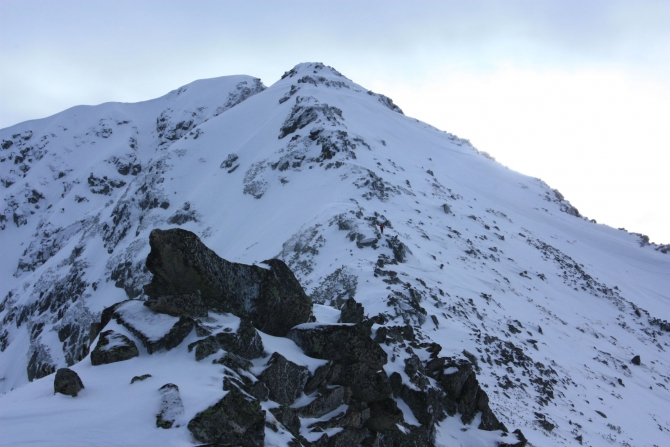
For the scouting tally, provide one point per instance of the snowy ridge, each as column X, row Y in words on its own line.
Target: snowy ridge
column 494, row 266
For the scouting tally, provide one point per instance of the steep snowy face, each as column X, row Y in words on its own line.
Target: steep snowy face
column 494, row 266
column 66, row 179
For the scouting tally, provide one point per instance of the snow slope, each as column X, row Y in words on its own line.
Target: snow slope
column 492, row 265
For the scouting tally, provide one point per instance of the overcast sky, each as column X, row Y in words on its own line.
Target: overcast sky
column 576, row 93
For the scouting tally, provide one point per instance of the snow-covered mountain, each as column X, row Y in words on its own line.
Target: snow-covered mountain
column 494, row 266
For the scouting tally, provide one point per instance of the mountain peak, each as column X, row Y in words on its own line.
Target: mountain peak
column 312, row 68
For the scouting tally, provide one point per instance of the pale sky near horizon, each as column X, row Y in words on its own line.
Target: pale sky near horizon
column 576, row 93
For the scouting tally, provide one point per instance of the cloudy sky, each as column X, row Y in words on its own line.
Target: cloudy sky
column 576, row 93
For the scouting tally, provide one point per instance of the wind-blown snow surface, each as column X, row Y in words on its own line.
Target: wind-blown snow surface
column 494, row 265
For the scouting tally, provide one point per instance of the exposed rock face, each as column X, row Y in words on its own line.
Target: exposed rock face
column 273, row 299
column 343, row 343
column 352, row 312
column 284, row 379
column 234, row 420
column 67, row 382
column 329, row 400
column 113, row 347
column 244, row 343
column 464, row 394
column 177, row 305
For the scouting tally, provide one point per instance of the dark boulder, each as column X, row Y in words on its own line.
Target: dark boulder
column 367, row 384
column 343, row 343
column 181, row 264
column 384, row 415
column 236, row 420
column 113, row 347
column 245, row 343
column 284, row 379
column 67, row 382
column 636, row 360
column 328, row 400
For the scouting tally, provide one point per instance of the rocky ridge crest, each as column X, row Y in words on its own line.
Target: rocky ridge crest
column 348, row 400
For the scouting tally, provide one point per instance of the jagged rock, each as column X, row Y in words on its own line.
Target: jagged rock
column 181, row 264
column 463, row 393
column 636, row 360
column 352, row 312
column 139, row 378
column 329, row 400
column 346, row 344
column 235, row 420
column 319, row 378
column 285, row 380
column 400, row 250
column 234, row 362
column 288, row 417
column 113, row 347
column 426, row 405
column 177, row 305
column 67, row 382
column 245, row 343
column 367, row 384
column 384, row 415
column 172, row 407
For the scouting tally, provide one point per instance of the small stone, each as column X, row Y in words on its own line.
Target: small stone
column 139, row 378
column 636, row 360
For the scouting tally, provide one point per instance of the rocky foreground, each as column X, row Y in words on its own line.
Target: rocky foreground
column 370, row 384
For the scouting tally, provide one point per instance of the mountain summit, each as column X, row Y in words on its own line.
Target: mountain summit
column 563, row 320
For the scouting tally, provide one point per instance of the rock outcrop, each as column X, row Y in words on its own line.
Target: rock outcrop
column 345, row 398
column 182, row 265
